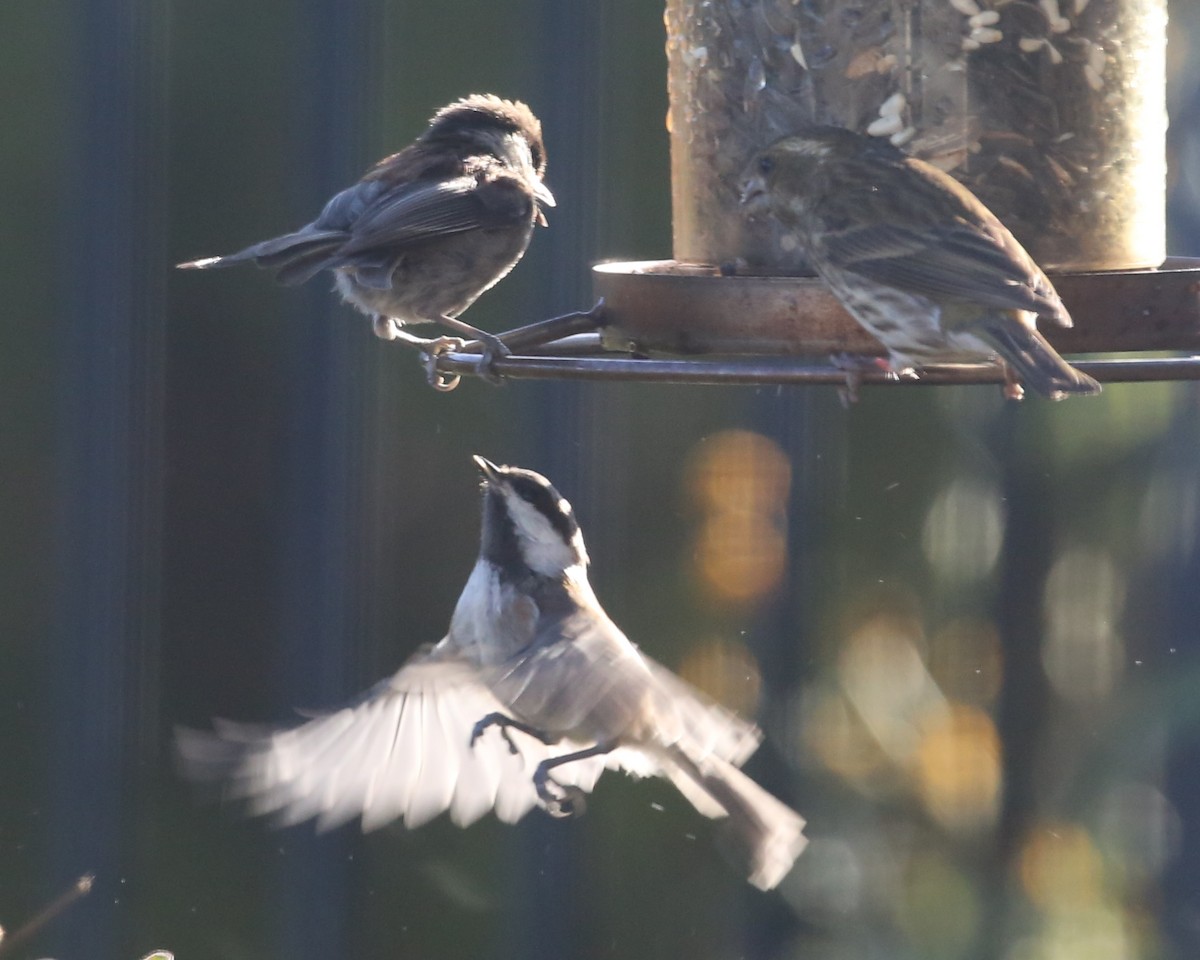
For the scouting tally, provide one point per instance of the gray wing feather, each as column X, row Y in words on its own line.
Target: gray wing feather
column 402, row 750
column 417, row 213
column 711, row 729
column 438, row 767
column 948, row 261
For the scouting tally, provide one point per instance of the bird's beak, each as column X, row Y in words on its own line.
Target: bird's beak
column 753, row 196
column 752, row 188
column 488, row 469
column 543, row 194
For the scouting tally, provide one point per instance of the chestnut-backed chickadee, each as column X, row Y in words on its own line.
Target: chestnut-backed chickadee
column 531, row 652
column 914, row 256
column 428, row 229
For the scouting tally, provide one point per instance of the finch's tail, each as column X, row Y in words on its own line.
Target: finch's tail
column 764, row 836
column 295, row 257
column 1036, row 362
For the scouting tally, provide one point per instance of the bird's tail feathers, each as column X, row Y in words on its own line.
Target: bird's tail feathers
column 1036, row 362
column 761, row 835
column 296, row 257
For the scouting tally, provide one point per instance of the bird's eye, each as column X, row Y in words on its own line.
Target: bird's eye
column 766, row 164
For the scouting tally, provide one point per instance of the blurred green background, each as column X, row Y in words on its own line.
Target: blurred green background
column 969, row 628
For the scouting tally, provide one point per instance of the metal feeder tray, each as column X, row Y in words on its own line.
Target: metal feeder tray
column 668, row 322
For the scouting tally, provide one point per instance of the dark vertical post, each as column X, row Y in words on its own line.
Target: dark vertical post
column 809, row 427
column 101, row 705
column 1021, row 715
column 322, row 571
column 552, row 923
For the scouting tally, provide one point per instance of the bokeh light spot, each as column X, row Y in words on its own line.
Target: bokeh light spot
column 833, row 732
column 963, row 531
column 1139, row 829
column 741, row 556
column 883, row 675
column 739, row 470
column 1083, row 652
column 1060, row 868
column 727, row 672
column 958, row 767
column 741, row 482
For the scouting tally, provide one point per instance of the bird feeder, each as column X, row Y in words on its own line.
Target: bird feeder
column 1051, row 111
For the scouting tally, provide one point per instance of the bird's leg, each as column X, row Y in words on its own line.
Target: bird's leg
column 854, row 365
column 564, row 800
column 387, row 328
column 493, row 347
column 504, row 722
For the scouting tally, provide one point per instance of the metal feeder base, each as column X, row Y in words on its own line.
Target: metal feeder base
column 761, row 330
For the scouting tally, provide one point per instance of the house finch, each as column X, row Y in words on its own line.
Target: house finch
column 913, row 256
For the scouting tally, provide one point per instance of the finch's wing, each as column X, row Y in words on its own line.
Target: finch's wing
column 401, row 751
column 957, row 260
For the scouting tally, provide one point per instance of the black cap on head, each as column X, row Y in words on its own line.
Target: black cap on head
column 463, row 117
column 535, row 490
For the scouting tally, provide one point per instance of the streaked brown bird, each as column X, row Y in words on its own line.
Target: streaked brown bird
column 914, row 256
column 428, row 229
column 530, row 651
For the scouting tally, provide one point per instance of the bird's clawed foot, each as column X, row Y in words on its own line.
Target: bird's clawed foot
column 505, row 723
column 1012, row 388
column 558, row 800
column 493, row 349
column 854, row 365
column 433, row 351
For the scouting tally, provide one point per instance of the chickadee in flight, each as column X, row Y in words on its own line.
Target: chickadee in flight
column 531, row 653
column 428, row 229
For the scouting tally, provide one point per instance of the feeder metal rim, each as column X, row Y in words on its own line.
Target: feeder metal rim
column 669, row 308
column 760, row 371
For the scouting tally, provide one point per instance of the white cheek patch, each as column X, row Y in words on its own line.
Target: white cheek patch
column 543, row 547
column 580, row 549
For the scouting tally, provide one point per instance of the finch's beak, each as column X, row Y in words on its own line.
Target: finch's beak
column 488, row 469
column 753, row 193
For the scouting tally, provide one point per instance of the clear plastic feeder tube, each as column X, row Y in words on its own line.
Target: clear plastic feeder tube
column 1051, row 111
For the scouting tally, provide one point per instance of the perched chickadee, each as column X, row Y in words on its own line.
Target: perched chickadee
column 428, row 229
column 531, row 652
column 914, row 256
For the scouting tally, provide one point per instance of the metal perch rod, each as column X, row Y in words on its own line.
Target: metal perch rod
column 774, row 371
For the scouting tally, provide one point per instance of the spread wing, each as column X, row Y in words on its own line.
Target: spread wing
column 401, row 751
